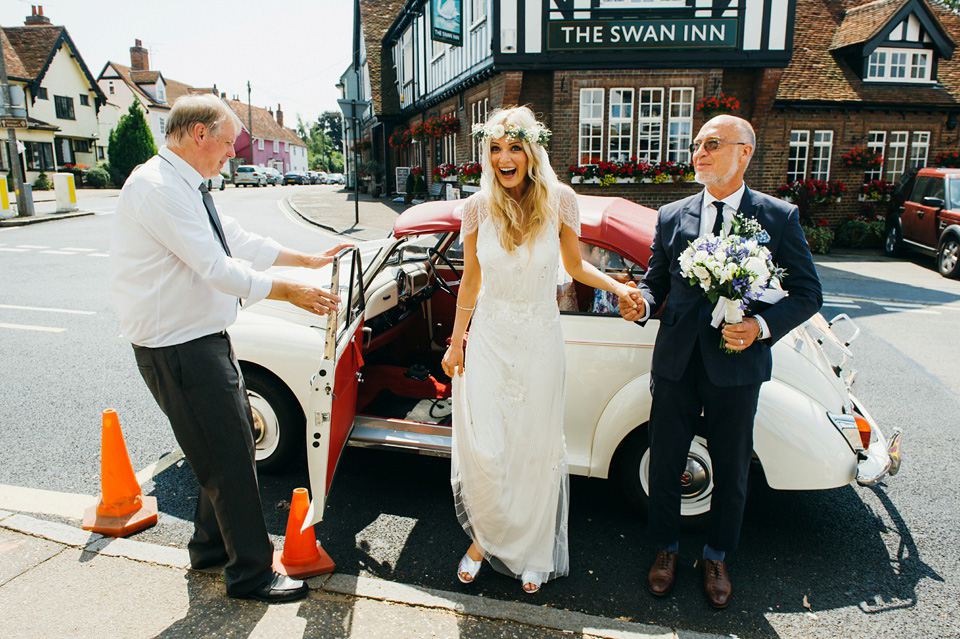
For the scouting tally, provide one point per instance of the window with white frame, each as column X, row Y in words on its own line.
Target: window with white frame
column 260, row 144
column 896, row 154
column 680, row 125
column 478, row 10
column 591, row 126
column 286, row 147
column 820, row 156
column 407, row 65
column 450, row 148
column 876, row 141
column 649, row 124
column 478, row 115
column 163, row 124
column 276, row 146
column 919, row 149
column 797, row 160
column 889, row 64
column 620, row 125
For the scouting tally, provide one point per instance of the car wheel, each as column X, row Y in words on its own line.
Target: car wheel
column 948, row 256
column 892, row 242
column 278, row 423
column 223, row 185
column 633, row 474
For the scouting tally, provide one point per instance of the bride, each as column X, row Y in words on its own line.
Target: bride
column 509, row 470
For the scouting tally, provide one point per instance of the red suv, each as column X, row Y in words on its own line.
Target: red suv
column 925, row 217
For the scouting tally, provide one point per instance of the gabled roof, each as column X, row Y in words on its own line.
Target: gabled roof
column 819, row 75
column 870, row 23
column 264, row 124
column 145, row 77
column 28, row 52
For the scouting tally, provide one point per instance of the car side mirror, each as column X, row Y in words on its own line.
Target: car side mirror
column 932, row 202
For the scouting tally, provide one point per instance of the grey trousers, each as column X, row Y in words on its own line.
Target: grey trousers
column 199, row 387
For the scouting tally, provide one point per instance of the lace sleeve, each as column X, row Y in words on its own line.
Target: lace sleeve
column 569, row 212
column 471, row 215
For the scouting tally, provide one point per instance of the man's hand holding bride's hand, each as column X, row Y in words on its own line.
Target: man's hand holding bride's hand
column 452, row 361
column 632, row 304
column 322, row 259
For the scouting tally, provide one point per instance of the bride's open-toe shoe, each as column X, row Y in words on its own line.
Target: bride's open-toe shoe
column 531, row 582
column 468, row 569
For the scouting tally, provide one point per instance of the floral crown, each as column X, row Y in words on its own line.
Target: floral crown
column 536, row 134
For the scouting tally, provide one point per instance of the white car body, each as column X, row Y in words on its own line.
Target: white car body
column 797, row 445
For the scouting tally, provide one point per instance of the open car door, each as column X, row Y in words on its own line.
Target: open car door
column 333, row 388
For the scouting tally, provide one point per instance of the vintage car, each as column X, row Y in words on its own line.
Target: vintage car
column 370, row 375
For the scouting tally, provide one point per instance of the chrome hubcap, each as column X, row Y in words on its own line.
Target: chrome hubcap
column 266, row 426
column 695, row 478
column 949, row 255
column 696, row 481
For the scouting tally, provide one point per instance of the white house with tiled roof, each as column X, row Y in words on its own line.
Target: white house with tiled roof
column 61, row 97
column 156, row 94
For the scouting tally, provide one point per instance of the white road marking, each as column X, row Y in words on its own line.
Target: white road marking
column 902, row 304
column 44, row 502
column 26, row 327
column 160, row 465
column 919, row 311
column 98, row 255
column 843, row 305
column 81, row 250
column 49, row 310
column 14, row 250
column 57, row 253
column 31, row 246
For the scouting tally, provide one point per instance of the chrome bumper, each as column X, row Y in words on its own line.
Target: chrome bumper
column 879, row 460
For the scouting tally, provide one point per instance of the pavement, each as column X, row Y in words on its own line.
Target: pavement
column 45, row 207
column 338, row 212
column 57, row 580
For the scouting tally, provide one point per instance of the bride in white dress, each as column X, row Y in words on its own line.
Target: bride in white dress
column 509, row 469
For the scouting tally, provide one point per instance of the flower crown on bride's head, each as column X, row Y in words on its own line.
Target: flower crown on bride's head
column 537, row 134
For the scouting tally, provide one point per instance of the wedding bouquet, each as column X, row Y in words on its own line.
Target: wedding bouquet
column 733, row 270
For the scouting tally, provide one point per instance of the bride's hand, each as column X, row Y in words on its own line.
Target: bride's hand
column 452, row 361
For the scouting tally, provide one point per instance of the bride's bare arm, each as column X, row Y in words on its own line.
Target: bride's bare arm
column 470, row 283
column 586, row 272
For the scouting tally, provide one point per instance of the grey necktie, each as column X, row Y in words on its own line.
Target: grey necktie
column 214, row 218
column 717, row 224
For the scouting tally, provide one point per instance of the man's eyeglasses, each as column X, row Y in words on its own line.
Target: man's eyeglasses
column 710, row 145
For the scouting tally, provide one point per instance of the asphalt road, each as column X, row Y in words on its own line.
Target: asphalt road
column 879, row 562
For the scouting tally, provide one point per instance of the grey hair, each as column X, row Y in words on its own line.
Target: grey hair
column 190, row 110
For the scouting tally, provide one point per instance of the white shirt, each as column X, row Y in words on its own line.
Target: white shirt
column 171, row 281
column 708, row 216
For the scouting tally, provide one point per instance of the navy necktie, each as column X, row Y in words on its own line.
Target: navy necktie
column 717, row 224
column 214, row 218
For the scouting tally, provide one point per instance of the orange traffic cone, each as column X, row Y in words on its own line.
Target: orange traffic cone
column 302, row 556
column 122, row 509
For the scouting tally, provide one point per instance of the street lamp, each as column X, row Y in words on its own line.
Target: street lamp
column 351, row 111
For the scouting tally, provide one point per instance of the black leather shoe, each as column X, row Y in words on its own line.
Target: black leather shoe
column 277, row 589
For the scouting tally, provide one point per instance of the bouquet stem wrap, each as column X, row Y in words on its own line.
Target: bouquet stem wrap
column 726, row 310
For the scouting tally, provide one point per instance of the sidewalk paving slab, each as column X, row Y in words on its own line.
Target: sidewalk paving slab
column 53, row 584
column 37, row 219
column 334, row 211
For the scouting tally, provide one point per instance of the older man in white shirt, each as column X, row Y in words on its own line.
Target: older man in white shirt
column 179, row 273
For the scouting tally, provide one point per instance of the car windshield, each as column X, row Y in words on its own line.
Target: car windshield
column 415, row 248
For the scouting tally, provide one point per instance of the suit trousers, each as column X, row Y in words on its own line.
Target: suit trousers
column 728, row 413
column 199, row 387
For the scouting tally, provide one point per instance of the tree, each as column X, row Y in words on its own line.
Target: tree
column 130, row 144
column 331, row 123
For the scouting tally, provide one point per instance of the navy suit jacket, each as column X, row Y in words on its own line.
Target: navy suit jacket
column 685, row 316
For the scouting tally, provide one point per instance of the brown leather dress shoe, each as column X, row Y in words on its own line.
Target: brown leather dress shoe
column 716, row 583
column 662, row 573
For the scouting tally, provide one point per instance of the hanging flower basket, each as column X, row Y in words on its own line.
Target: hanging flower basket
column 861, row 158
column 400, row 139
column 718, row 105
column 947, row 159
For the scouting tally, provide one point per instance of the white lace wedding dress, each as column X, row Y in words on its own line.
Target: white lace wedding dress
column 509, row 469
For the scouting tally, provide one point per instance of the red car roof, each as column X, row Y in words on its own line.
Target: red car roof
column 608, row 222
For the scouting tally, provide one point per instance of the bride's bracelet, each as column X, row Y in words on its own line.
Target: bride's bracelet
column 464, row 308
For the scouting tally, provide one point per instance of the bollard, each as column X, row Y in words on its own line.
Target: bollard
column 65, row 191
column 5, row 208
column 25, row 201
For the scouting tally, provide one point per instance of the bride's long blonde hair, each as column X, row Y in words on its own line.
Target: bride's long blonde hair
column 538, row 205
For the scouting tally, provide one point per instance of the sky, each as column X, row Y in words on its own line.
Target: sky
column 291, row 51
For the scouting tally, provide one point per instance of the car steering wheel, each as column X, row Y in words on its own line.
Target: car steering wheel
column 441, row 284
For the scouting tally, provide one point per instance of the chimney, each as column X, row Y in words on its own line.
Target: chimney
column 36, row 17
column 139, row 58
column 216, row 92
column 279, row 116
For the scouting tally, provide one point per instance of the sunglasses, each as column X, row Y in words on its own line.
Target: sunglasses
column 710, row 145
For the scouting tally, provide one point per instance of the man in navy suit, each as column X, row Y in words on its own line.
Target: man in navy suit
column 691, row 374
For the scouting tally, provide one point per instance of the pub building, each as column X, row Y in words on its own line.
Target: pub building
column 829, row 85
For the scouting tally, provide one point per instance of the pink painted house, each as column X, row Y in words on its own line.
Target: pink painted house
column 273, row 144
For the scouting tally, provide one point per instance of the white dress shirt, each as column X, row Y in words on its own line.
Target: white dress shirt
column 171, row 281
column 708, row 216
